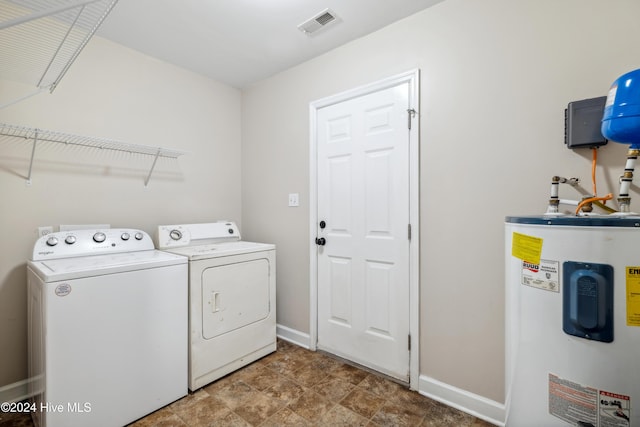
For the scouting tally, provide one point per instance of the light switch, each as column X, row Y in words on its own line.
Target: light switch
column 294, row 199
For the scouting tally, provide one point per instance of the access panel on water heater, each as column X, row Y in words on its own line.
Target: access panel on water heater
column 587, row 300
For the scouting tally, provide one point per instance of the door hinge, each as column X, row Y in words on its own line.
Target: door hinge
column 409, row 231
column 409, row 342
column 411, row 113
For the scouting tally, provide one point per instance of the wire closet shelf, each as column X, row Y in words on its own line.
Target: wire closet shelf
column 40, row 39
column 38, row 135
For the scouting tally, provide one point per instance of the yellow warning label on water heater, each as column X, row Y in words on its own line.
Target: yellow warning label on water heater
column 633, row 296
column 526, row 248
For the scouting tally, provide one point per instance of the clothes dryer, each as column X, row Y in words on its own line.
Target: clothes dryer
column 107, row 328
column 232, row 297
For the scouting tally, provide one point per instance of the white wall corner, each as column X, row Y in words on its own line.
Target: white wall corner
column 293, row 336
column 473, row 404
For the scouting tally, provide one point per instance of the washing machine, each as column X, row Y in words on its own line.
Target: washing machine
column 232, row 297
column 107, row 328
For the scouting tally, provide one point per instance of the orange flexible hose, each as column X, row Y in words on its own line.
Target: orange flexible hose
column 592, row 199
column 593, row 170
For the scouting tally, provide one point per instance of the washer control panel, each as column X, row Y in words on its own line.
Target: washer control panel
column 76, row 243
column 174, row 236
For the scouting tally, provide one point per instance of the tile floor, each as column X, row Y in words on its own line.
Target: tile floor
column 298, row 387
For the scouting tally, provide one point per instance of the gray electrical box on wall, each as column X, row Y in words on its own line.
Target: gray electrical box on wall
column 582, row 121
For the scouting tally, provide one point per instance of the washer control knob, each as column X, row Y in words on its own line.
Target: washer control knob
column 125, row 236
column 70, row 239
column 52, row 241
column 99, row 237
column 230, row 231
column 175, row 234
column 139, row 236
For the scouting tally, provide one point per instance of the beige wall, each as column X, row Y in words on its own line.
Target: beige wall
column 496, row 78
column 116, row 93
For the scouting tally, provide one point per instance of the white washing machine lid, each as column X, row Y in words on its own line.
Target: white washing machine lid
column 216, row 250
column 98, row 265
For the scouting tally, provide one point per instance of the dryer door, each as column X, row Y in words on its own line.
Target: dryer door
column 233, row 296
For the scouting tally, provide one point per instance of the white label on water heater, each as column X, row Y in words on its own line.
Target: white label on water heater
column 572, row 402
column 615, row 409
column 581, row 405
column 545, row 275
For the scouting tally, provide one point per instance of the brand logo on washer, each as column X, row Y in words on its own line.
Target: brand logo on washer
column 63, row 289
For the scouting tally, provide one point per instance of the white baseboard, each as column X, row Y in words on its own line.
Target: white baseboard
column 293, row 336
column 473, row 404
column 14, row 392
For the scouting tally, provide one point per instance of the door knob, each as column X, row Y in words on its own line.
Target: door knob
column 321, row 241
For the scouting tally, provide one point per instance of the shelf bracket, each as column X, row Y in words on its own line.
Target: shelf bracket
column 62, row 42
column 76, row 53
column 33, row 153
column 155, row 159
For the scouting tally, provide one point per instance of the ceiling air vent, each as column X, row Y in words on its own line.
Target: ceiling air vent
column 319, row 21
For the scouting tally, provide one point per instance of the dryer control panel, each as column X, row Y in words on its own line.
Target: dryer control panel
column 174, row 236
column 77, row 243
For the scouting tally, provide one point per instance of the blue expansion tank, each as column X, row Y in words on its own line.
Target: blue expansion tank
column 621, row 118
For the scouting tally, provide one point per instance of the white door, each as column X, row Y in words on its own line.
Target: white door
column 363, row 217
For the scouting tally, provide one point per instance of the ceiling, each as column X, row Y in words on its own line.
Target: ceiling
column 239, row 42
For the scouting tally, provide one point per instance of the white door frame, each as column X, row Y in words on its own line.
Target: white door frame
column 413, row 78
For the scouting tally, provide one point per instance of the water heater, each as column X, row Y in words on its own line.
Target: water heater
column 573, row 321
